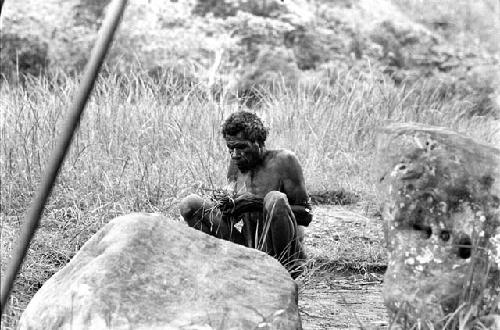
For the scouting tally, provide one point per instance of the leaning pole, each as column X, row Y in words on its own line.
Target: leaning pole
column 32, row 219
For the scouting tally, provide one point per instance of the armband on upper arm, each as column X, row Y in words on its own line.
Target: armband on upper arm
column 304, row 217
column 307, row 205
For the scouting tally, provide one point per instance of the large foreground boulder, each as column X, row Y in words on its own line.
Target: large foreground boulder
column 442, row 214
column 148, row 272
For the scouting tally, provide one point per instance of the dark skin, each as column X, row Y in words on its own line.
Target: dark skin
column 255, row 171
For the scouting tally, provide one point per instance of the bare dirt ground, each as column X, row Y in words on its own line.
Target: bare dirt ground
column 343, row 289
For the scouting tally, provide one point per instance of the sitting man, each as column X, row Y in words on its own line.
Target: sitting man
column 268, row 196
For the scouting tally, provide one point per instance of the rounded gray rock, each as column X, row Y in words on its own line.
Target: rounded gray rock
column 149, row 272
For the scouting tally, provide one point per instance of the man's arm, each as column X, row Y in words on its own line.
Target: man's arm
column 295, row 189
column 303, row 214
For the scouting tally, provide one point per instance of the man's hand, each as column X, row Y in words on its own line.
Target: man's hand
column 226, row 205
column 247, row 202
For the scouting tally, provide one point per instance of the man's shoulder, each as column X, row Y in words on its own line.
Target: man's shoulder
column 286, row 164
column 284, row 157
column 281, row 153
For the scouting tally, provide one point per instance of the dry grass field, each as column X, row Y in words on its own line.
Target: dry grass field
column 139, row 149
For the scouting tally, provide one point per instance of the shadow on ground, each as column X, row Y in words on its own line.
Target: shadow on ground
column 342, row 285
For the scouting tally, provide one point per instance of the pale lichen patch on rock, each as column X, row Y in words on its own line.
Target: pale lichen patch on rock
column 441, row 213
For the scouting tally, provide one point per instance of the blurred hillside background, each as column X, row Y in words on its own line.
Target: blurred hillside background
column 229, row 48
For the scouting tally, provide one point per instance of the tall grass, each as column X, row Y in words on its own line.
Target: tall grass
column 143, row 145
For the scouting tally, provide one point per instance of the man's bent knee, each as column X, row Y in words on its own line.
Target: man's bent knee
column 275, row 199
column 190, row 205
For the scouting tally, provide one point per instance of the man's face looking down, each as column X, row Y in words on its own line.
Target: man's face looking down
column 245, row 153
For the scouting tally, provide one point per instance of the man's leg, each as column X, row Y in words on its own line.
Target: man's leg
column 202, row 215
column 279, row 235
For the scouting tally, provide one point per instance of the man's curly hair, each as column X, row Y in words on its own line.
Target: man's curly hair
column 248, row 123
